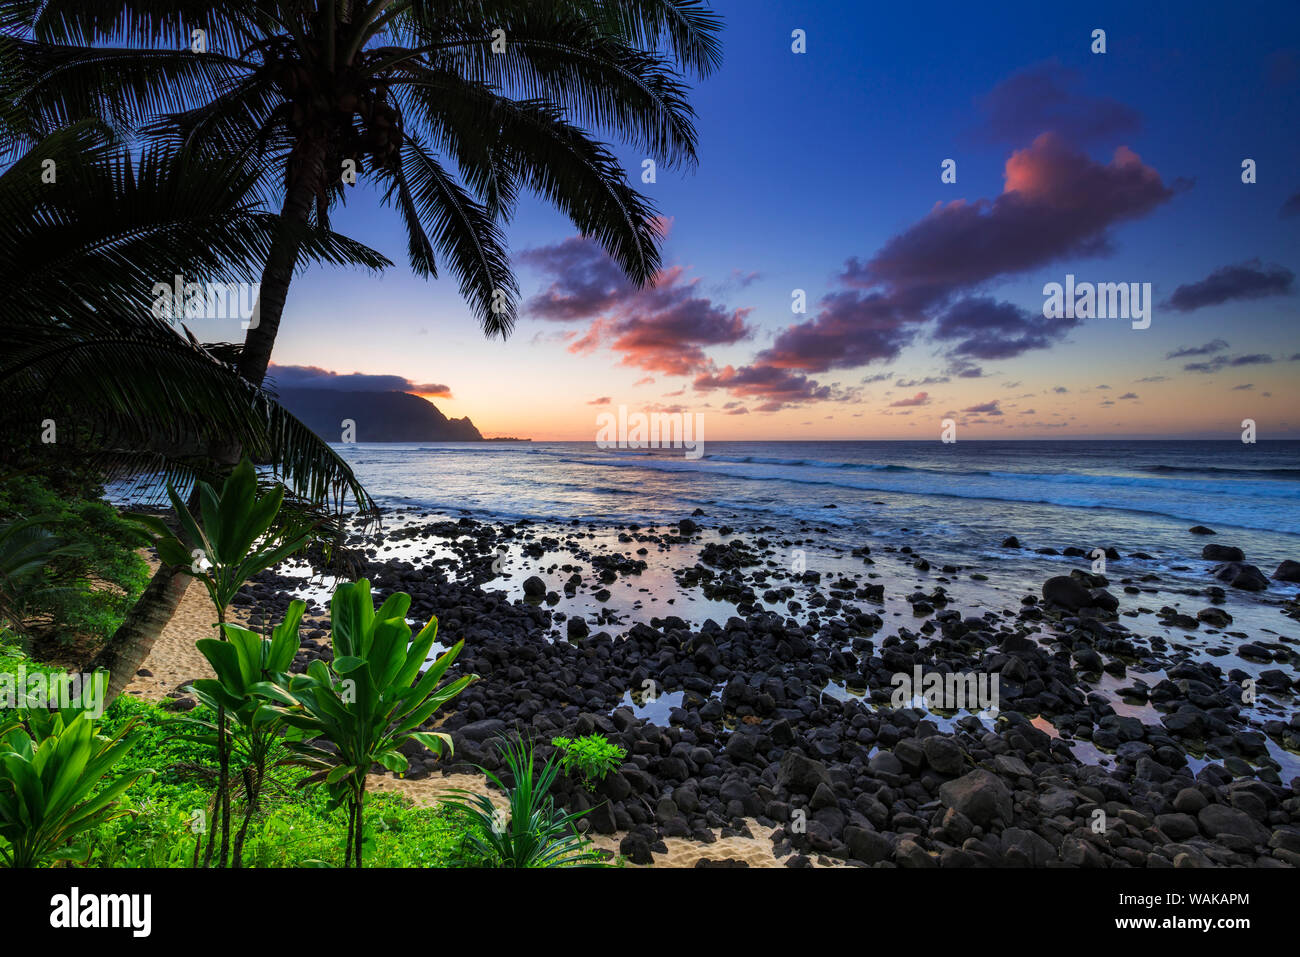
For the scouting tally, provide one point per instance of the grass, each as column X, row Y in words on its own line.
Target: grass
column 294, row 827
column 91, row 591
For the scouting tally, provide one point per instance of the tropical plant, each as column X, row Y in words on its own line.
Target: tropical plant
column 237, row 535
column 530, row 831
column 592, row 757
column 294, row 827
column 99, row 361
column 27, row 547
column 505, row 90
column 369, row 701
column 91, row 573
column 54, row 785
column 129, row 395
column 242, row 664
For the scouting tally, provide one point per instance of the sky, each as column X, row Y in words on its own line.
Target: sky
column 822, row 171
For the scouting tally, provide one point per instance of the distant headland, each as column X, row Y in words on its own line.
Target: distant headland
column 376, row 417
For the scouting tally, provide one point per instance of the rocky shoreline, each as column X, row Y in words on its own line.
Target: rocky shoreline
column 787, row 720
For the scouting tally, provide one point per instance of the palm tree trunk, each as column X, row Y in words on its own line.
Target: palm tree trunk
column 127, row 649
column 308, row 175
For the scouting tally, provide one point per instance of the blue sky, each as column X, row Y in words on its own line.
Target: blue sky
column 809, row 159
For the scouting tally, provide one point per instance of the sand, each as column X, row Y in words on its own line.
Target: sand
column 174, row 660
column 755, row 851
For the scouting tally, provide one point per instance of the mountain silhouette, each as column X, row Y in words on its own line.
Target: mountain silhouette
column 378, row 416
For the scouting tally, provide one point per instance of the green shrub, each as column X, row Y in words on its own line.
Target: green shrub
column 368, row 702
column 237, row 534
column 591, row 757
column 241, row 662
column 532, row 832
column 54, row 784
column 292, row 827
column 90, row 587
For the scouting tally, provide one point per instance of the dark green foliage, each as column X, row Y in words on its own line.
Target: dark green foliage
column 123, row 388
column 54, row 784
column 530, row 831
column 411, row 95
column 369, row 701
column 88, row 572
column 591, row 758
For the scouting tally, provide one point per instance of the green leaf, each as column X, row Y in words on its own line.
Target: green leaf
column 435, row 741
column 393, row 761
column 347, row 664
column 285, row 642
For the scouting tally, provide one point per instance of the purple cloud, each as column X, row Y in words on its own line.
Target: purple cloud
column 1043, row 97
column 586, row 282
column 314, row 377
column 1248, row 280
column 1226, row 362
column 1209, row 349
column 1056, row 202
column 997, row 330
column 779, row 387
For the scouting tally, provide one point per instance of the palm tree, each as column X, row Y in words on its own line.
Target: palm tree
column 80, row 345
column 512, row 93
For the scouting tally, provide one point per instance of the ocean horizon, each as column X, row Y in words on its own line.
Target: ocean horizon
column 1252, row 487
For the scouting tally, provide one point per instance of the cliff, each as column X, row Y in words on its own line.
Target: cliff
column 379, row 416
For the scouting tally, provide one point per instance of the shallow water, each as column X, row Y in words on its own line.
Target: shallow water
column 815, row 502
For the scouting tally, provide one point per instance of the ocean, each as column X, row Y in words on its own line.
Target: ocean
column 1134, row 495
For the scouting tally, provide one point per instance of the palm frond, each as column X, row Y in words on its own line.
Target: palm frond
column 140, row 23
column 54, row 85
column 598, row 79
column 464, row 231
column 112, row 227
column 149, row 403
column 555, row 159
column 415, row 92
column 82, row 346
